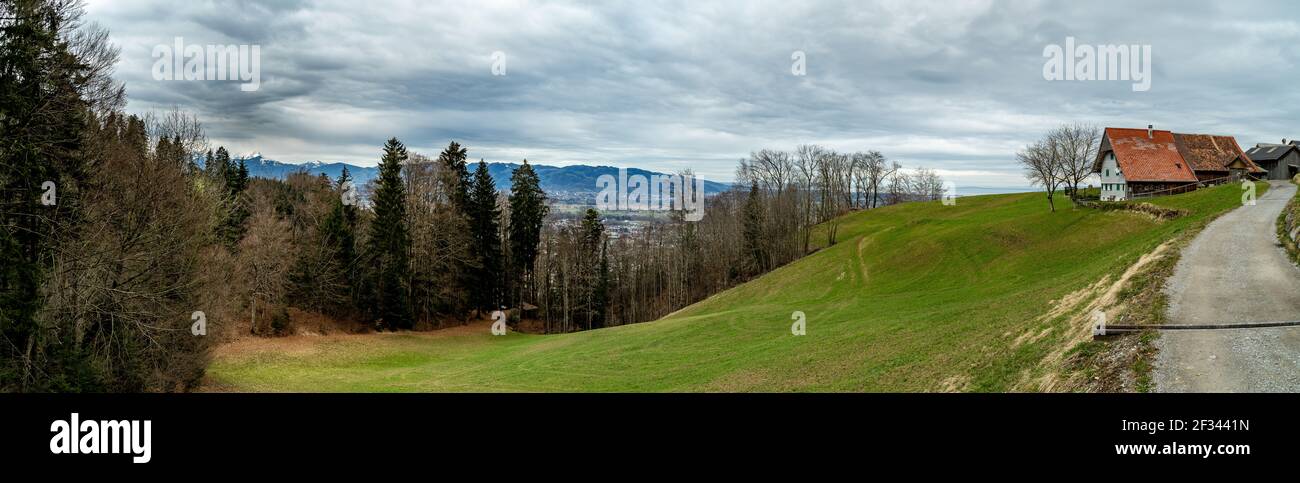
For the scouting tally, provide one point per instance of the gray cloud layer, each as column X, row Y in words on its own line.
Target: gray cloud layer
column 956, row 86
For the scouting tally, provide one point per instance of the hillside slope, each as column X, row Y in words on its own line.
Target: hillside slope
column 915, row 297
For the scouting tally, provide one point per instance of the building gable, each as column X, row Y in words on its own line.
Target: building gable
column 1144, row 155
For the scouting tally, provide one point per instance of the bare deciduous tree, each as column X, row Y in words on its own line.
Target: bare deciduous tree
column 927, row 184
column 877, row 173
column 1043, row 166
column 440, row 241
column 125, row 283
column 266, row 267
column 807, row 158
column 1078, row 145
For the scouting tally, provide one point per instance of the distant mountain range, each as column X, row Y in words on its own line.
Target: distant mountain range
column 563, row 183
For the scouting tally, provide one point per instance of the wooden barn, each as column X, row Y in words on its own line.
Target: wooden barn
column 1216, row 159
column 1281, row 161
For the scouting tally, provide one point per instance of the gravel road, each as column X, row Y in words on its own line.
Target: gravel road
column 1234, row 272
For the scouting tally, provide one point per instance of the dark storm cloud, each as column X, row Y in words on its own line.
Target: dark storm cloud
column 956, row 86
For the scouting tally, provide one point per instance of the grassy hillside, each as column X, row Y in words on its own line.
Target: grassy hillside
column 916, row 297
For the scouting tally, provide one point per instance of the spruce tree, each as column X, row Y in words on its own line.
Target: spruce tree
column 208, row 165
column 338, row 233
column 456, row 177
column 389, row 244
column 600, row 300
column 243, row 176
column 755, row 218
column 595, row 267
column 484, row 223
column 455, row 180
column 221, row 167
column 528, row 211
column 235, row 200
column 43, row 120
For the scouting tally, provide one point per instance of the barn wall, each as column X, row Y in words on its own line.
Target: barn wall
column 1204, row 176
column 1283, row 170
column 1141, row 187
column 1280, row 169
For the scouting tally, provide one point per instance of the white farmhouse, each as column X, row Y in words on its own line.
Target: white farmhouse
column 1135, row 162
column 1113, row 187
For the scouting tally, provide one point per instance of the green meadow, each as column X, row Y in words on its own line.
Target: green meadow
column 913, row 297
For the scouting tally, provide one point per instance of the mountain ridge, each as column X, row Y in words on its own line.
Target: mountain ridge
column 564, row 181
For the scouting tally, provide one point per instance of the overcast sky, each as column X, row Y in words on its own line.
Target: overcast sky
column 957, row 86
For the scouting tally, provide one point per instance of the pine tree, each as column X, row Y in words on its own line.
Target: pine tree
column 387, row 251
column 528, row 212
column 484, row 223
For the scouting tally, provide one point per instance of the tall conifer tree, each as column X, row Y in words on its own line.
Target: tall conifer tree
column 484, row 223
column 390, row 243
column 528, row 211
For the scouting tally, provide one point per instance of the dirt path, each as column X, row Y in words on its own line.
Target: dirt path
column 1234, row 272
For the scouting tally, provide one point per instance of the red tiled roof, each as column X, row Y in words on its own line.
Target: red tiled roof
column 1147, row 159
column 1211, row 153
